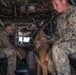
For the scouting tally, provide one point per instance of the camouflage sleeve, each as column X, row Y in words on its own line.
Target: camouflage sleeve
column 72, row 25
column 6, row 42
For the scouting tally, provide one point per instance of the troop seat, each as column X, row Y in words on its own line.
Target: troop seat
column 2, row 55
column 73, row 56
column 3, row 64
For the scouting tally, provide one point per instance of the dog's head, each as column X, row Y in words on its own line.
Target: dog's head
column 40, row 38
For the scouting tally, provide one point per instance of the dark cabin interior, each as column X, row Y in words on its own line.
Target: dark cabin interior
column 28, row 16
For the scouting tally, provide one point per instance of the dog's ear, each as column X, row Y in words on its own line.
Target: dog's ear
column 40, row 35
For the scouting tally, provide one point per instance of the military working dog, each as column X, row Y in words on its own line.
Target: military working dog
column 44, row 53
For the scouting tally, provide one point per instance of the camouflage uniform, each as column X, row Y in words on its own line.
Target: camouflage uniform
column 66, row 25
column 7, row 48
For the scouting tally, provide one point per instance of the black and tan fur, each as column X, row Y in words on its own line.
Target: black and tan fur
column 44, row 53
